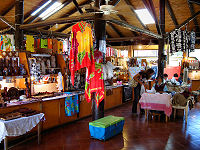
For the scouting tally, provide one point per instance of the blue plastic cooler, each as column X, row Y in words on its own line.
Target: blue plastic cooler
column 106, row 127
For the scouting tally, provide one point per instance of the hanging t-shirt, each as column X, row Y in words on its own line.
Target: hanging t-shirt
column 55, row 46
column 30, row 43
column 43, row 43
column 50, row 44
column 81, row 47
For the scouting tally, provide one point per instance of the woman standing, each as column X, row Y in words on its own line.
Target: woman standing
column 141, row 77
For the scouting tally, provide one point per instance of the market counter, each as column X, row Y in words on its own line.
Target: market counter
column 54, row 107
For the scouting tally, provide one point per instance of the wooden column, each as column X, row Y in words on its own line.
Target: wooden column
column 100, row 33
column 161, row 41
column 19, row 19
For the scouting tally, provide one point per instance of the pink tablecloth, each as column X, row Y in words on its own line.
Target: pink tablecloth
column 161, row 102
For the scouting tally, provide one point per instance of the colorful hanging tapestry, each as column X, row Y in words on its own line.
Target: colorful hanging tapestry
column 44, row 43
column 60, row 47
column 81, row 47
column 94, row 79
column 71, row 105
column 7, row 42
column 29, row 43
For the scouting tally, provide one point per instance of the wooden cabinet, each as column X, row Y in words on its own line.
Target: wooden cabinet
column 85, row 108
column 63, row 118
column 114, row 99
column 51, row 109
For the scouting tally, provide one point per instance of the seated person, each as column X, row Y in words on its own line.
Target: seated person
column 173, row 80
column 165, row 76
column 180, row 79
column 159, row 86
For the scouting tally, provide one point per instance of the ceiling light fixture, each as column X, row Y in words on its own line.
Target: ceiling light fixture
column 145, row 16
column 51, row 10
column 44, row 5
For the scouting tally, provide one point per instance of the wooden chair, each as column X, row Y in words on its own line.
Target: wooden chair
column 185, row 108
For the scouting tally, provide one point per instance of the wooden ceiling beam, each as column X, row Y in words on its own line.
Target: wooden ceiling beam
column 171, row 13
column 124, row 19
column 64, row 27
column 186, row 21
column 115, row 2
column 134, row 28
column 58, row 21
column 69, row 14
column 133, row 11
column 195, row 1
column 47, row 32
column 7, row 10
column 149, row 5
column 77, row 7
column 129, row 39
column 115, row 29
column 3, row 19
column 194, row 20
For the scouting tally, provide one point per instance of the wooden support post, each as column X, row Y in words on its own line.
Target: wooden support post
column 19, row 19
column 161, row 41
column 6, row 143
column 100, row 33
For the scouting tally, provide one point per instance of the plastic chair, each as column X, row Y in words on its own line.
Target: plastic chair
column 183, row 107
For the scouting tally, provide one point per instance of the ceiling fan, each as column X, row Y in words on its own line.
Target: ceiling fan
column 106, row 9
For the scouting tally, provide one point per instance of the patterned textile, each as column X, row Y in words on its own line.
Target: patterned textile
column 60, row 47
column 155, row 68
column 7, row 42
column 94, row 79
column 134, row 70
column 109, row 51
column 71, row 105
column 44, row 43
column 55, row 46
column 81, row 47
column 29, row 43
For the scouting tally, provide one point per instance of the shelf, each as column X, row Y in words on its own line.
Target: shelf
column 17, row 77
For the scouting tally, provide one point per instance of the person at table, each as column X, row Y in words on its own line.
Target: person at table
column 173, row 80
column 165, row 76
column 141, row 78
column 180, row 79
column 160, row 86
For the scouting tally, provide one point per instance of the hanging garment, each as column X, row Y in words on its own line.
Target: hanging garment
column 71, row 105
column 60, row 47
column 29, row 43
column 55, row 46
column 8, row 42
column 38, row 43
column 43, row 43
column 81, row 47
column 1, row 42
column 50, row 44
column 94, row 79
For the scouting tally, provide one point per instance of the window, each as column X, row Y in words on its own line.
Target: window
column 44, row 5
column 145, row 16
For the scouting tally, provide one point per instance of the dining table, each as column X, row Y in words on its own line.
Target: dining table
column 156, row 101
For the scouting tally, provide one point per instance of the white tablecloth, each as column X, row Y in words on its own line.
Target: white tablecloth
column 19, row 126
column 157, row 101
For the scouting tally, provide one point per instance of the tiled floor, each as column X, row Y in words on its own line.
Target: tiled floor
column 138, row 134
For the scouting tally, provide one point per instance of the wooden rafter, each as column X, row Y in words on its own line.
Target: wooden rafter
column 133, row 11
column 67, row 15
column 149, row 5
column 192, row 13
column 115, row 29
column 47, row 32
column 171, row 12
column 77, row 7
column 195, row 1
column 124, row 19
column 7, row 10
column 64, row 27
column 58, row 21
column 3, row 19
column 134, row 28
column 162, row 16
column 115, row 2
column 128, row 39
column 186, row 21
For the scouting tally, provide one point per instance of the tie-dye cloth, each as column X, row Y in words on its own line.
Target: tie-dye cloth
column 71, row 105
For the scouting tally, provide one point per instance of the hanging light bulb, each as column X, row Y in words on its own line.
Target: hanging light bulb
column 140, row 46
column 56, row 25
